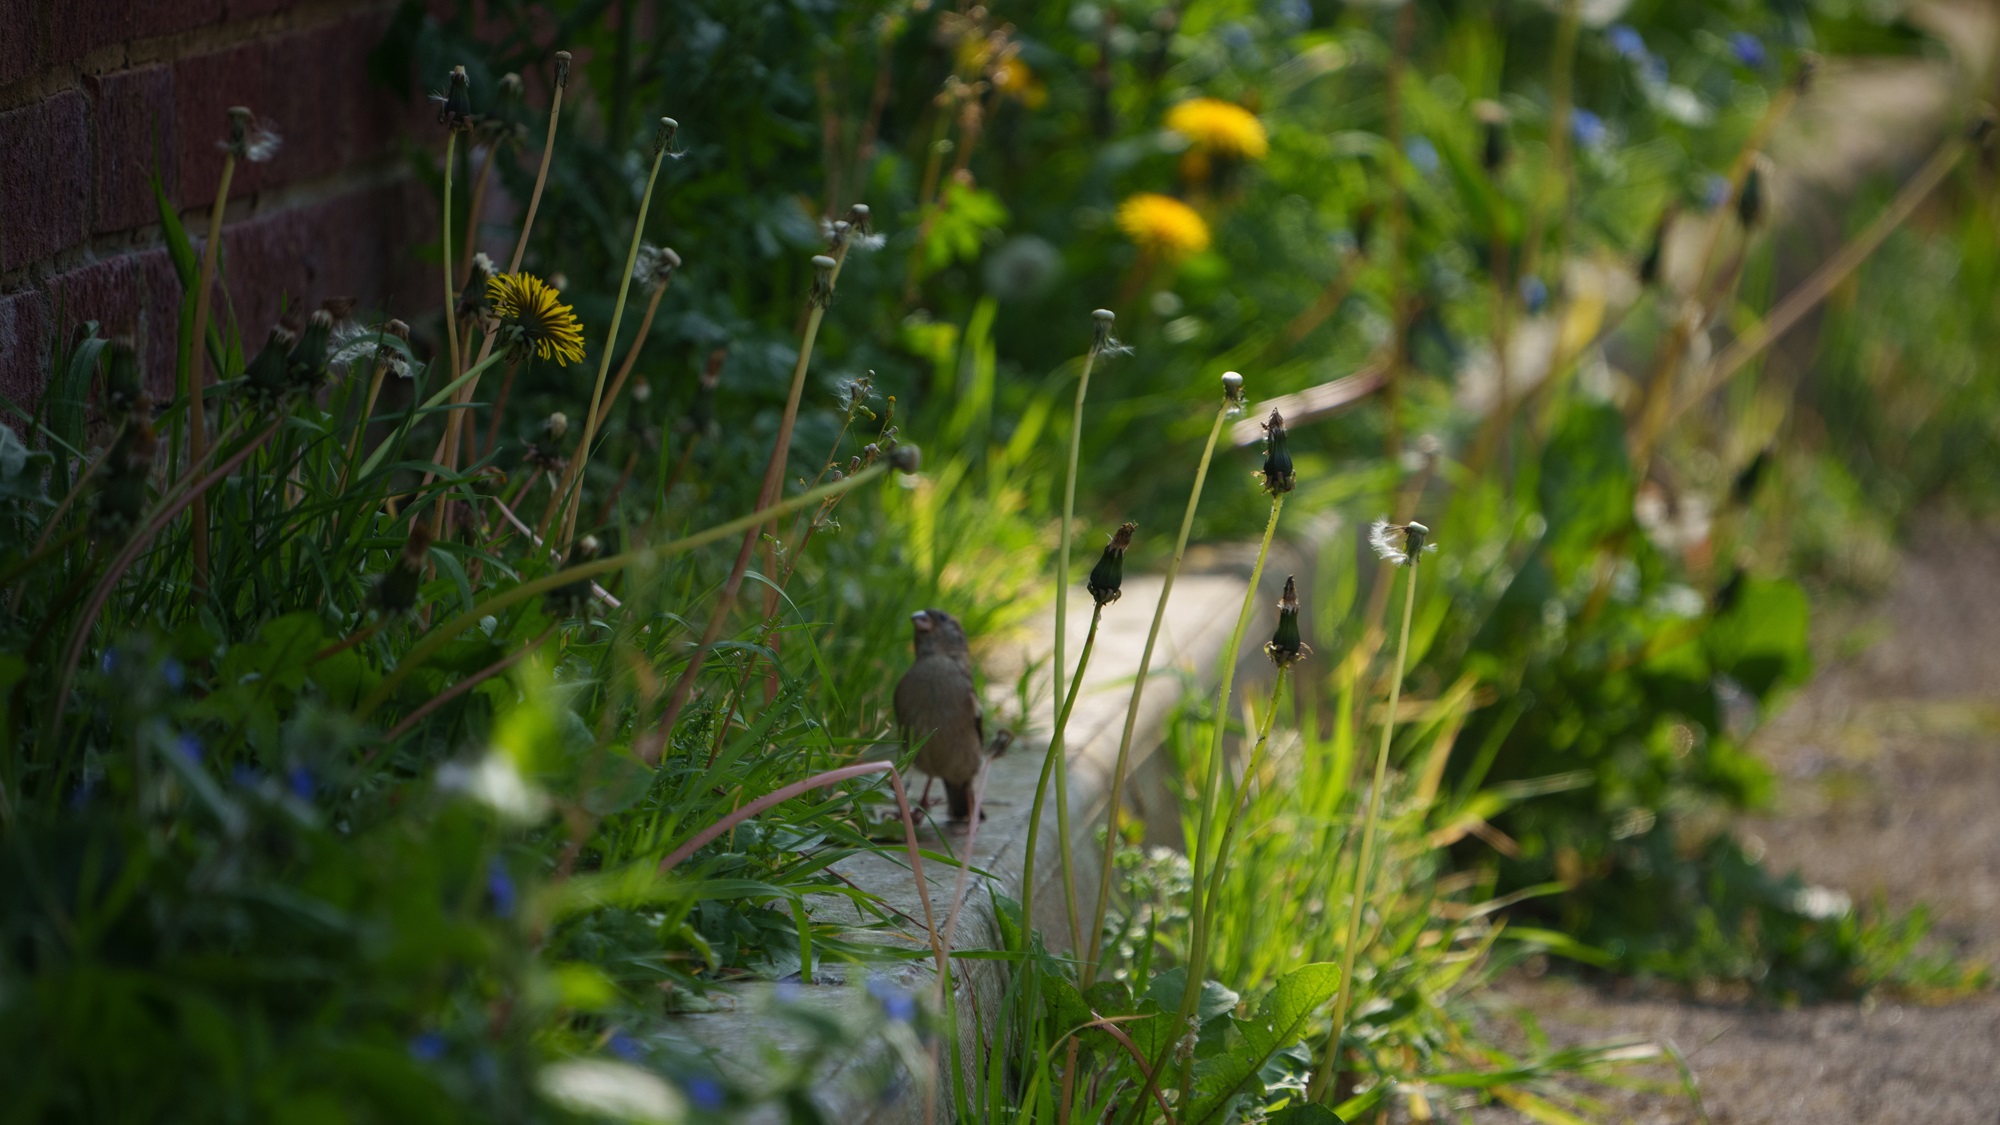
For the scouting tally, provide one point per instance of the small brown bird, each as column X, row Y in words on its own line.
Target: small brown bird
column 938, row 711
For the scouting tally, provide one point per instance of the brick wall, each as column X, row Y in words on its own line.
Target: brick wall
column 97, row 96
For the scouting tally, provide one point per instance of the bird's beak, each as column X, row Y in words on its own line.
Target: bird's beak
column 922, row 621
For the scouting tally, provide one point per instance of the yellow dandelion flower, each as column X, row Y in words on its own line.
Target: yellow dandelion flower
column 532, row 313
column 1222, row 128
column 1163, row 225
column 1013, row 78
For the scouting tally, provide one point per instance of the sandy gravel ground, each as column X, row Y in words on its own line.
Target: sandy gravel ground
column 1890, row 771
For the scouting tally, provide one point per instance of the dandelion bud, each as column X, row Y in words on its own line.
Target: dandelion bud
column 556, row 425
column 455, row 114
column 1493, row 127
column 398, row 329
column 905, row 458
column 1286, row 649
column 642, row 391
column 1232, row 391
column 859, row 216
column 836, row 234
column 1278, row 475
column 396, row 590
column 1649, row 266
column 854, row 464
column 121, row 491
column 569, row 599
column 512, row 88
column 663, row 138
column 822, row 290
column 122, row 388
column 1102, row 320
column 562, row 70
column 305, row 366
column 1109, row 573
column 1750, row 204
column 264, row 379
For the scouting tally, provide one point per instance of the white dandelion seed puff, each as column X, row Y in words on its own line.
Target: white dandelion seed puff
column 353, row 347
column 259, row 142
column 1399, row 543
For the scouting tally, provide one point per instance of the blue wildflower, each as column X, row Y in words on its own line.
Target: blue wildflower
column 427, row 1047
column 300, row 779
column 171, row 672
column 1534, row 294
column 789, row 992
column 107, row 662
column 1422, row 154
column 895, row 1000
column 1586, row 127
column 500, row 889
column 705, row 1093
column 1627, row 42
column 1748, row 49
column 189, row 747
column 1715, row 192
column 625, row 1047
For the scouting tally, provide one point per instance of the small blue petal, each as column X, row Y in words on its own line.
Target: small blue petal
column 172, row 673
column 427, row 1047
column 1423, row 155
column 902, row 1009
column 705, row 1093
column 789, row 992
column 625, row 1047
column 1748, row 49
column 500, row 889
column 1534, row 294
column 1626, row 41
column 189, row 747
column 1716, row 192
column 1586, row 127
column 302, row 784
column 107, row 662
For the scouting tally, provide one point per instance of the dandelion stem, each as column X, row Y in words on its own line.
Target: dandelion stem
column 500, row 407
column 442, row 635
column 444, row 232
column 542, row 175
column 631, row 353
column 473, row 208
column 767, row 495
column 1052, row 767
column 1138, row 693
column 1241, row 804
column 573, row 474
column 1199, row 915
column 1330, row 1058
column 197, row 410
column 1056, row 750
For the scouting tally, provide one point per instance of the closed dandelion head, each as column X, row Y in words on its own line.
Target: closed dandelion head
column 1400, row 543
column 533, row 320
column 1278, row 474
column 862, row 235
column 396, row 591
column 306, row 363
column 250, row 139
column 905, row 458
column 1232, row 392
column 1492, row 120
column 545, row 451
column 1108, row 576
column 264, row 379
column 455, row 103
column 1163, row 226
column 475, row 301
column 1286, row 648
column 663, row 138
column 822, row 288
column 562, row 70
column 654, row 266
column 1102, row 342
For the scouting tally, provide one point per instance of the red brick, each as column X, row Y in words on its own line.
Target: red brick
column 17, row 46
column 44, row 178
column 205, row 87
column 133, row 138
column 161, row 317
column 78, row 27
column 24, row 342
column 356, row 245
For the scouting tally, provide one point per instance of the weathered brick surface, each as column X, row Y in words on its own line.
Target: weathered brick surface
column 24, row 328
column 76, row 167
column 44, row 178
column 132, row 139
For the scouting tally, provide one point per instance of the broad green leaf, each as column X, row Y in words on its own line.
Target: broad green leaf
column 1280, row 1020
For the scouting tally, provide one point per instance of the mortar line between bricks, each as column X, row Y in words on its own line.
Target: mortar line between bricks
column 384, row 172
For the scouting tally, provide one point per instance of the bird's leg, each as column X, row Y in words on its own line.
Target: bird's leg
column 925, row 801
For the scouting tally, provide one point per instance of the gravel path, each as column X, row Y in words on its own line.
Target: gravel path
column 1890, row 786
